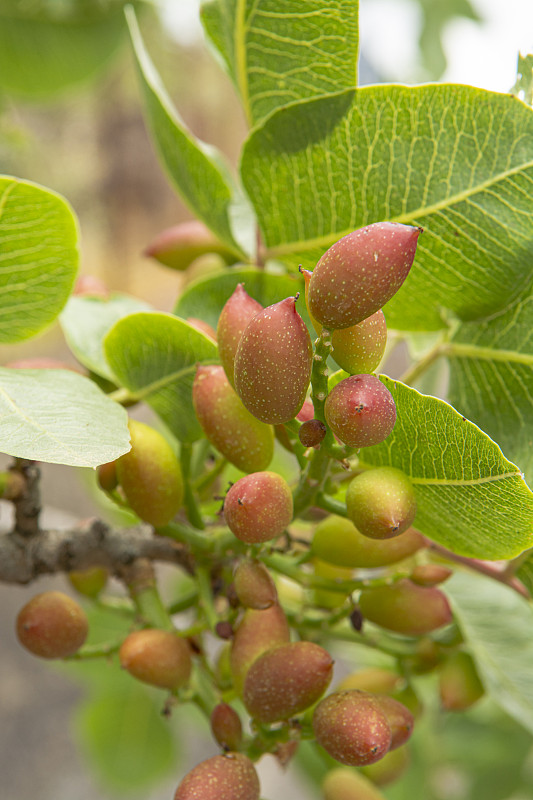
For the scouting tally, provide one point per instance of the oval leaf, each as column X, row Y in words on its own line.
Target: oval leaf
column 38, row 257
column 498, row 627
column 197, row 170
column 491, row 378
column 455, row 160
column 58, row 416
column 205, row 298
column 87, row 320
column 154, row 356
column 318, row 54
column 469, row 497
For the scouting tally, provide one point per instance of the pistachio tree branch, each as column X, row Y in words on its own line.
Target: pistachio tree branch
column 92, row 543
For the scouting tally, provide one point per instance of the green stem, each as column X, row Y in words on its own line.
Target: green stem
column 416, row 370
column 206, row 596
column 184, row 602
column 328, row 503
column 101, row 650
column 202, row 483
column 191, row 507
column 150, row 607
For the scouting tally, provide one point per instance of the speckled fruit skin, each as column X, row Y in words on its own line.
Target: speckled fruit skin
column 254, row 586
column 361, row 272
column 286, row 680
column 225, row 777
column 273, row 363
column 150, row 475
column 258, row 507
column 352, row 728
column 361, row 347
column 52, row 625
column 242, row 439
column 344, row 783
column 459, row 683
column 238, row 311
column 337, row 541
column 391, row 767
column 381, row 503
column 360, row 410
column 406, row 608
column 226, row 726
column 257, row 632
column 159, row 658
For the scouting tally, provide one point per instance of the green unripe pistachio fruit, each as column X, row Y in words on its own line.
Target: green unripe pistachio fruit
column 326, row 598
column 273, row 363
column 459, row 683
column 89, row 582
column 52, row 625
column 157, row 657
column 254, row 586
column 430, row 574
column 286, row 680
column 242, row 439
column 257, row 632
column 352, row 727
column 234, row 318
column 337, row 541
column 361, row 272
column 107, row 476
column 381, row 502
column 231, row 776
column 360, row 410
column 150, row 475
column 344, row 783
column 226, row 726
column 258, row 507
column 406, row 608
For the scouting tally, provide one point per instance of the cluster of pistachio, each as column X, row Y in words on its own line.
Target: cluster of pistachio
column 267, row 365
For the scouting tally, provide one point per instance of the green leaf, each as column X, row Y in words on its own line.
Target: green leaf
column 61, row 417
column 123, row 733
column 205, row 298
column 155, row 357
column 276, row 57
column 497, row 624
column 455, row 160
column 38, row 257
column 196, row 169
column 491, row 378
column 469, row 497
column 86, row 321
column 44, row 49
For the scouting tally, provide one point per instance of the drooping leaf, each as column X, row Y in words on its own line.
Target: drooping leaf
column 497, row 624
column 155, row 356
column 205, row 298
column 456, row 160
column 491, row 378
column 86, row 321
column 38, row 257
column 470, row 498
column 58, row 416
column 45, row 48
column 197, row 170
column 278, row 56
